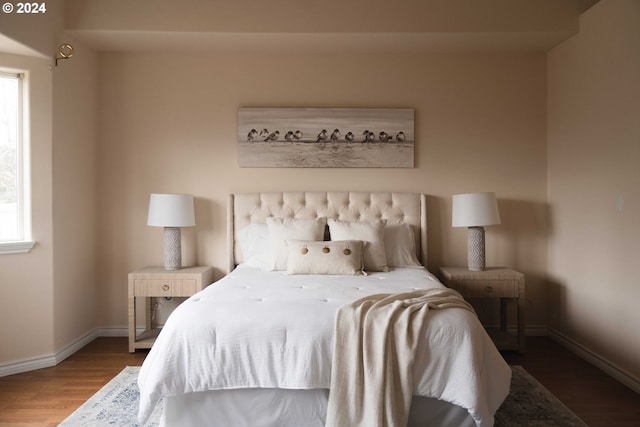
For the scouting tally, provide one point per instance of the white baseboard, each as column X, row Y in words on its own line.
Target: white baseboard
column 75, row 346
column 50, row 360
column 116, row 332
column 534, row 331
column 600, row 362
column 27, row 365
column 529, row 330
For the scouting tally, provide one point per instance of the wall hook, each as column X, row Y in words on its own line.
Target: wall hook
column 65, row 51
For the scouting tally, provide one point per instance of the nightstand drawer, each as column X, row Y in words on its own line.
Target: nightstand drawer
column 165, row 287
column 488, row 289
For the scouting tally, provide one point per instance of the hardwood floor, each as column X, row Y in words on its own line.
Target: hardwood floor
column 597, row 398
column 46, row 396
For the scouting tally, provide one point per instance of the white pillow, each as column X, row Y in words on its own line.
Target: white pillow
column 282, row 229
column 375, row 257
column 254, row 244
column 400, row 246
column 334, row 257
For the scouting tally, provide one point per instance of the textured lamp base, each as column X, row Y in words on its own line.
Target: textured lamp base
column 172, row 249
column 475, row 248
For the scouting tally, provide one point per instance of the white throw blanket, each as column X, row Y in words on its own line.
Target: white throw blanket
column 375, row 343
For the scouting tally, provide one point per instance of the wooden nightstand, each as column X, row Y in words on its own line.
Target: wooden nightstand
column 496, row 282
column 158, row 282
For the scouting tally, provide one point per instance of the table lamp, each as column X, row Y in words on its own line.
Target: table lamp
column 171, row 211
column 475, row 210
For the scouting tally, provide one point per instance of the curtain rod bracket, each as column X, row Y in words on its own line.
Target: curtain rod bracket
column 65, row 51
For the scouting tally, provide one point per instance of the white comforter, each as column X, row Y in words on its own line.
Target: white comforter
column 256, row 329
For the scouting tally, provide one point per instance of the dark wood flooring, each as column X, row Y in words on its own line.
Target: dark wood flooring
column 597, row 398
column 46, row 396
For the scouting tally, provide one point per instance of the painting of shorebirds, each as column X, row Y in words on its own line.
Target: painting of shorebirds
column 326, row 137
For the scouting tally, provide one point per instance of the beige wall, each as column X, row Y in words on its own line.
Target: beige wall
column 594, row 147
column 74, row 195
column 168, row 123
column 26, row 283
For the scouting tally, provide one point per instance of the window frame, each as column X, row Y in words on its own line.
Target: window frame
column 24, row 242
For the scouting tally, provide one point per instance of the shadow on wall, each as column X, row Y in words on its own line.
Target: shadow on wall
column 436, row 208
column 520, row 241
column 195, row 239
column 556, row 303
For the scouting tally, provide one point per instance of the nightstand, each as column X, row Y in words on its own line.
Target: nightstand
column 496, row 282
column 158, row 282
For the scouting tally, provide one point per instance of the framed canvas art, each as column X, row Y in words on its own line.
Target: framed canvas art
column 326, row 137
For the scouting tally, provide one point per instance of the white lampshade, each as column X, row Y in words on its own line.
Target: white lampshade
column 171, row 210
column 475, row 210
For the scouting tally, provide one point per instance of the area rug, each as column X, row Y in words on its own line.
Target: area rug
column 528, row 405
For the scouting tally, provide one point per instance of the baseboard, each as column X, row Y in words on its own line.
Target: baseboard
column 75, row 346
column 600, row 362
column 116, row 332
column 28, row 365
column 49, row 360
column 529, row 330
column 534, row 331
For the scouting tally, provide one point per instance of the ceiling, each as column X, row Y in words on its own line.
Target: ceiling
column 317, row 26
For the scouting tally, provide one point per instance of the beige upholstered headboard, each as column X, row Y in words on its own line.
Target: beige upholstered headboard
column 245, row 208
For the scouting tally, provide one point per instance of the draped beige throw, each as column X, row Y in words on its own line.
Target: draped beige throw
column 375, row 343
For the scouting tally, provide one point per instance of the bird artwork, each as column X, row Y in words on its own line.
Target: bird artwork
column 252, row 135
column 322, row 136
column 349, row 136
column 290, row 136
column 333, row 137
column 384, row 137
column 273, row 136
column 368, row 136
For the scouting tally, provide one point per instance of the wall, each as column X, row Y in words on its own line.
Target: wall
column 74, row 195
column 168, row 123
column 593, row 138
column 26, row 284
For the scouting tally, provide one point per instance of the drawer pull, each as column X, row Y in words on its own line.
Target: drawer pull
column 489, row 289
column 165, row 288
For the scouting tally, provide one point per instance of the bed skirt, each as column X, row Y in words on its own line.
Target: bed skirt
column 286, row 408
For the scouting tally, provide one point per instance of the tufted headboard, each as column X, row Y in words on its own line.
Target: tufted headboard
column 245, row 208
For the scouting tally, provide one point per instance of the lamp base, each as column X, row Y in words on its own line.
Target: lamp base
column 475, row 248
column 172, row 248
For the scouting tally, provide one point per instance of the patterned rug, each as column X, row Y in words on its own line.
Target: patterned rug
column 528, row 405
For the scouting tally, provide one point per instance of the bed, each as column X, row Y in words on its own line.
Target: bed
column 256, row 347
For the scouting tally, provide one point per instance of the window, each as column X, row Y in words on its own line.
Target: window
column 15, row 224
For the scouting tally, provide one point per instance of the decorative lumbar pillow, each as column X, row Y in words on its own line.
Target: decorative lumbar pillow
column 282, row 229
column 334, row 257
column 375, row 257
column 400, row 246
